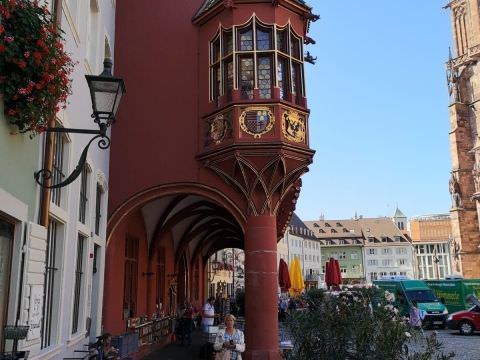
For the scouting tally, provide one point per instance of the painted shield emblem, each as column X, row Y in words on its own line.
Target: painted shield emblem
column 293, row 126
column 256, row 121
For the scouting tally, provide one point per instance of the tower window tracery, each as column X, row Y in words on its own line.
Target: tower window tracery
column 256, row 56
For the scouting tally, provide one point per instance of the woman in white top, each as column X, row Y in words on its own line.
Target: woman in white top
column 230, row 339
column 208, row 314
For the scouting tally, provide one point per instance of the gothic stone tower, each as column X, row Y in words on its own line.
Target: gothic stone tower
column 463, row 74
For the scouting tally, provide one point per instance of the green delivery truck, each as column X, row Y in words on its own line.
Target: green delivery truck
column 454, row 292
column 406, row 290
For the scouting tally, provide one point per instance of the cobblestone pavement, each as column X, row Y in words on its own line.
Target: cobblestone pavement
column 464, row 347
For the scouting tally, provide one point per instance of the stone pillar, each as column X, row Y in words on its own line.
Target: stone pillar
column 261, row 318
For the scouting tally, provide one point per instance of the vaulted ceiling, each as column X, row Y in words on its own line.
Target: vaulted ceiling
column 197, row 224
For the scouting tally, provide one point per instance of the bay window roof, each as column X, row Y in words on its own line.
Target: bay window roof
column 210, row 4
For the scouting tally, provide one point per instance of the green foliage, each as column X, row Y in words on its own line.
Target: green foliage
column 356, row 325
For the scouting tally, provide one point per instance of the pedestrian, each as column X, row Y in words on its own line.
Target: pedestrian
column 229, row 340
column 208, row 314
column 283, row 306
column 415, row 319
column 187, row 323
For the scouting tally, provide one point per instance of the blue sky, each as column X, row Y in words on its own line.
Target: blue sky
column 379, row 109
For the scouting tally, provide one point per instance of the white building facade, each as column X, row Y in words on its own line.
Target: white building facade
column 387, row 251
column 54, row 273
column 300, row 242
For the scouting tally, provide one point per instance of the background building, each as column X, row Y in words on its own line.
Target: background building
column 343, row 241
column 299, row 241
column 387, row 250
column 464, row 84
column 435, row 253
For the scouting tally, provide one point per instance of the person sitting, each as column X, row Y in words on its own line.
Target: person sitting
column 230, row 339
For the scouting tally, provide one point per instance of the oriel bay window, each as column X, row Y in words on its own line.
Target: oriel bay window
column 259, row 57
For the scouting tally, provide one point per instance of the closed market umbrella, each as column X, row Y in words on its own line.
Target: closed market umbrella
column 333, row 275
column 296, row 278
column 283, row 276
column 328, row 274
column 337, row 274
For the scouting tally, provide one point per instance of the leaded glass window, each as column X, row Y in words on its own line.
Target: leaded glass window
column 227, row 43
column 294, row 46
column 229, row 79
column 217, row 81
column 245, row 39
column 247, row 58
column 296, row 79
column 264, row 71
column 246, row 78
column 264, row 39
column 282, row 40
column 282, row 76
column 216, row 50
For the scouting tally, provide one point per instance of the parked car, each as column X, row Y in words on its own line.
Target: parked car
column 465, row 321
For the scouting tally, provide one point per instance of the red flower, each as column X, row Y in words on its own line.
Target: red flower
column 39, row 86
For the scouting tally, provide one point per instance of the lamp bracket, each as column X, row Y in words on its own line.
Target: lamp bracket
column 42, row 176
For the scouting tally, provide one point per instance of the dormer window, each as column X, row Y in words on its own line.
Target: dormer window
column 246, row 57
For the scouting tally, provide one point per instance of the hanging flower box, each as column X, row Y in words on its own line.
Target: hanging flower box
column 34, row 68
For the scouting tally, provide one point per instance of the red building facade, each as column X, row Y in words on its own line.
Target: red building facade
column 214, row 139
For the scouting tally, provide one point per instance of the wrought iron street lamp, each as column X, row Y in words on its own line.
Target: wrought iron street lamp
column 106, row 92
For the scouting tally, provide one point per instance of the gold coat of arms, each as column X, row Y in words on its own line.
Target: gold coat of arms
column 293, row 126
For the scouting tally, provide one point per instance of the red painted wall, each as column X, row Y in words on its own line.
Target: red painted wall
column 147, row 285
column 156, row 139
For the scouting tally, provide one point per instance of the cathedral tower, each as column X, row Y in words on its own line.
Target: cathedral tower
column 463, row 74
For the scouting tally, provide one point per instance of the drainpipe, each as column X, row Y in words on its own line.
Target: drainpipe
column 49, row 138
